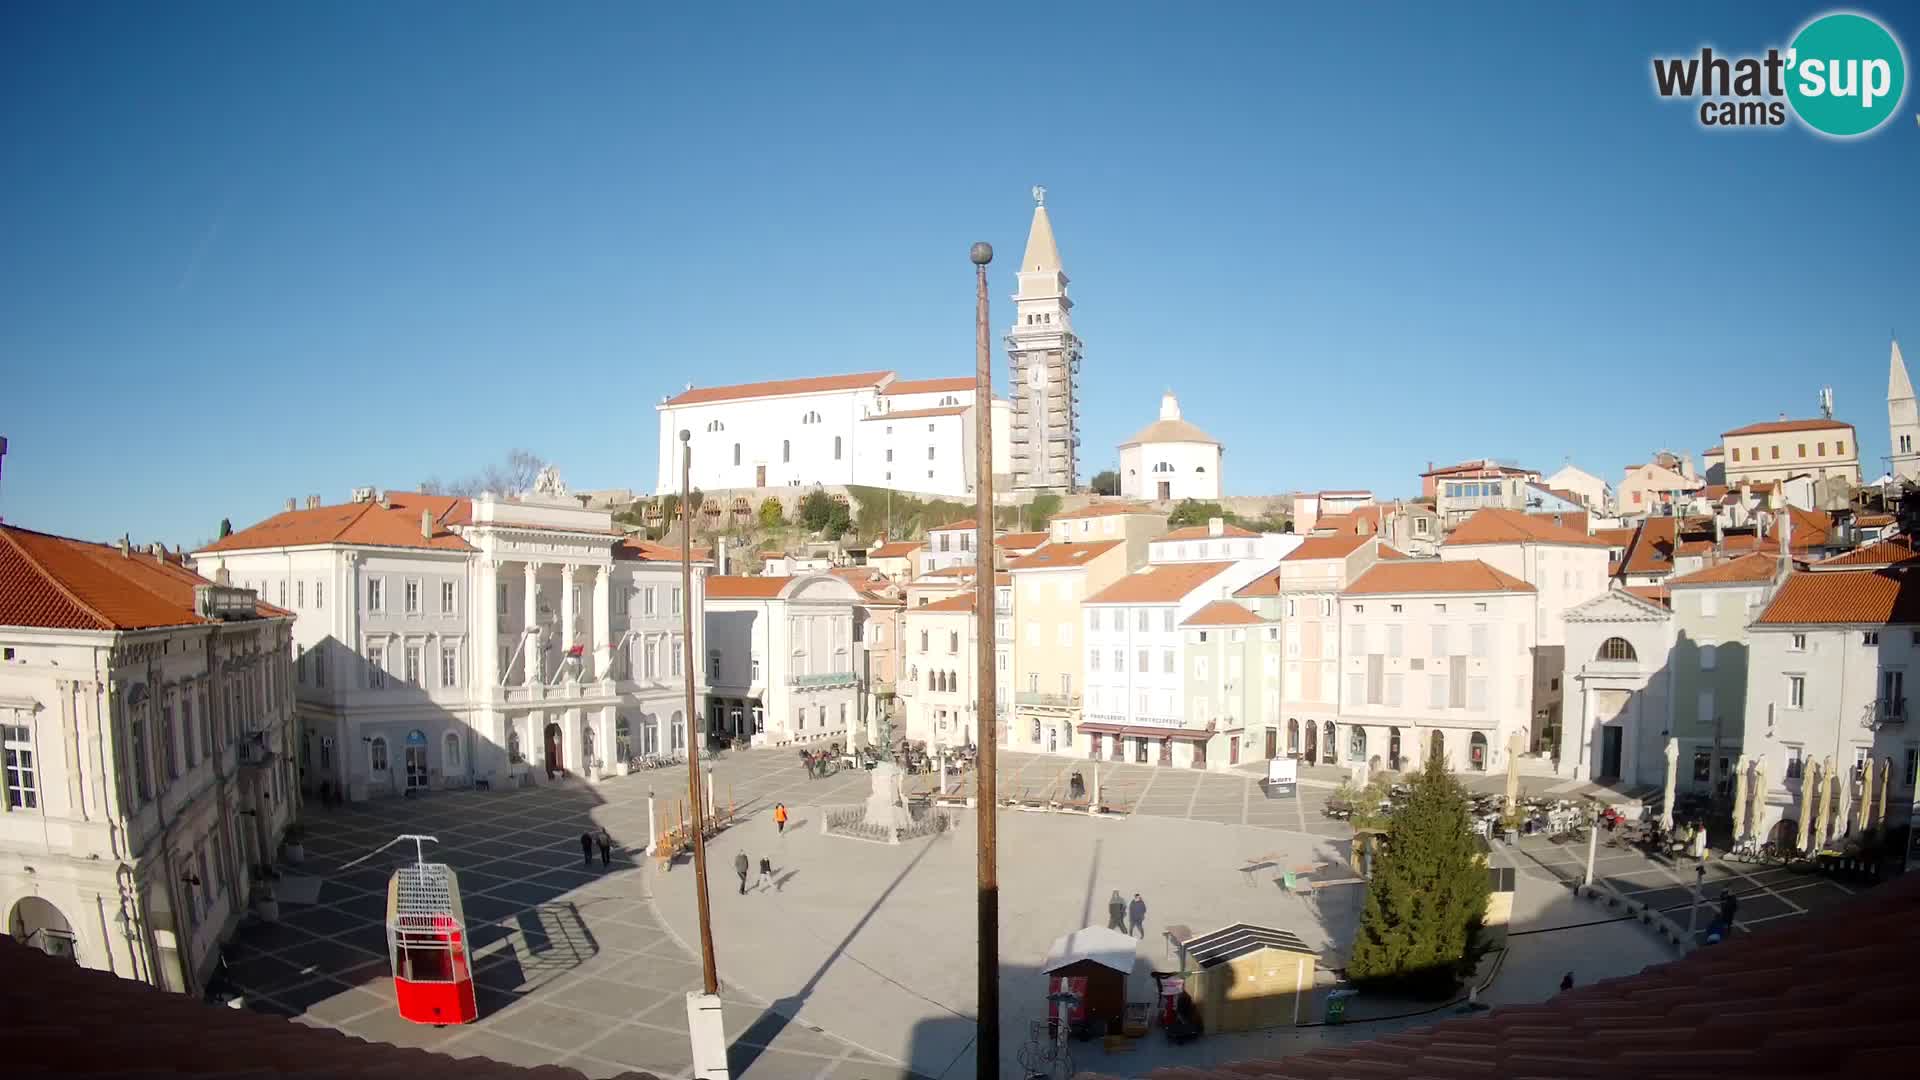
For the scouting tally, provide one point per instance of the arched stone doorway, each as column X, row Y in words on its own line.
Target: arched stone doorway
column 1393, row 750
column 37, row 924
column 1293, row 736
column 1329, row 749
column 1477, row 752
column 554, row 747
column 1437, row 748
column 1313, row 743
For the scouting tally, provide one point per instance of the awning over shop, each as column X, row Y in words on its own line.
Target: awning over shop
column 1137, row 731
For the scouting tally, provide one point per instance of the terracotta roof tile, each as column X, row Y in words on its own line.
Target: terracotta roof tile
column 964, row 523
column 369, row 524
column 1020, row 541
column 1325, row 547
column 929, row 386
column 1267, row 584
column 1162, row 583
column 636, row 549
column 1566, row 519
column 1774, row 427
column 1496, row 526
column 779, row 388
column 53, row 582
column 1872, row 597
column 957, row 602
column 912, row 414
column 1201, row 532
column 1651, row 551
column 899, row 549
column 1058, row 555
column 729, row 587
column 1434, row 576
column 1753, row 568
column 1222, row 613
column 1658, row 594
column 1388, row 551
column 1888, row 552
column 1105, row 508
column 1481, row 465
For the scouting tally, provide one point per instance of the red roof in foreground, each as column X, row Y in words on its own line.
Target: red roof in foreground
column 1786, row 1000
column 1882, row 553
column 1847, row 597
column 90, row 1023
column 745, row 588
column 54, row 583
column 636, row 549
column 1223, row 613
column 1434, row 576
column 1496, row 526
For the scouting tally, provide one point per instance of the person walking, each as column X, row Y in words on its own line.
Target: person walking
column 766, row 873
column 1117, row 912
column 586, row 849
column 740, row 867
column 605, row 842
column 1137, row 913
column 780, row 817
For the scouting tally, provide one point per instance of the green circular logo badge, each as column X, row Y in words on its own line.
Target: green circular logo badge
column 1845, row 74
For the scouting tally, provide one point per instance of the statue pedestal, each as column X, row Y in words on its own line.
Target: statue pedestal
column 885, row 806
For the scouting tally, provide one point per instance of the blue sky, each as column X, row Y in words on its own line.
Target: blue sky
column 254, row 251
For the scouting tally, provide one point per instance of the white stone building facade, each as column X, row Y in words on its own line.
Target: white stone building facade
column 1171, row 459
column 780, row 661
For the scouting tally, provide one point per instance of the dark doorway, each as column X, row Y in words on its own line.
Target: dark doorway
column 1437, row 748
column 1393, row 749
column 760, row 476
column 553, row 751
column 1312, row 742
column 1273, row 743
column 1166, row 751
column 1233, row 750
column 1166, row 490
column 1610, row 737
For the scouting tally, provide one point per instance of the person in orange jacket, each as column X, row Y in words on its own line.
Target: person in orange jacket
column 780, row 817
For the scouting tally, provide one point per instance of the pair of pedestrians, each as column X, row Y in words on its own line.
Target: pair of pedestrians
column 740, row 865
column 1128, row 918
column 596, row 839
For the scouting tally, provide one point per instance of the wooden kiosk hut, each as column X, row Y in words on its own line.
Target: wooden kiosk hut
column 1093, row 964
column 1244, row 977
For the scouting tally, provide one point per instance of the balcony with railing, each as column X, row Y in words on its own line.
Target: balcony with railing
column 825, row 681
column 1882, row 712
column 1044, row 700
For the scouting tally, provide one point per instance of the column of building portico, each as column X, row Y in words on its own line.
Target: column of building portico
column 490, row 756
column 599, row 665
column 572, row 740
column 345, row 676
column 533, row 740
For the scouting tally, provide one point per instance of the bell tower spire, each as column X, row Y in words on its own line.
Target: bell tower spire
column 1903, row 419
column 1044, row 357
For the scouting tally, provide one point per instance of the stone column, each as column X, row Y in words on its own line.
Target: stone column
column 531, row 649
column 567, row 636
column 350, row 610
column 601, row 665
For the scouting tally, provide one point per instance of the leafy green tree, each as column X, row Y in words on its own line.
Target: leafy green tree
column 1191, row 512
column 815, row 509
column 772, row 516
column 1428, row 895
column 1106, row 482
column 839, row 520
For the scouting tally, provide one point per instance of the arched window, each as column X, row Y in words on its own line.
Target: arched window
column 450, row 754
column 622, row 740
column 513, row 746
column 1437, row 747
column 677, row 731
column 1477, row 750
column 836, row 448
column 1617, row 648
column 377, row 754
column 1328, row 744
column 913, row 675
column 716, row 426
column 1356, row 743
column 736, row 453
column 1293, row 736
column 586, row 743
column 786, row 450
column 1036, row 731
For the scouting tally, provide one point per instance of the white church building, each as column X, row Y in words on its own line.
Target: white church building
column 1170, row 459
column 872, row 428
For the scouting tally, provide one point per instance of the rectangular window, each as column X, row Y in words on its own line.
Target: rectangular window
column 1166, row 621
column 1870, row 637
column 1776, row 453
column 319, row 594
column 677, row 652
column 1439, row 641
column 168, row 755
column 449, row 665
column 1093, row 659
column 1141, row 663
column 1819, row 449
column 1395, row 640
column 1166, row 661
column 1796, row 691
column 1803, row 449
column 1840, row 448
column 413, row 664
column 1066, row 685
column 1289, row 607
column 446, row 598
column 1477, row 693
column 650, row 660
column 186, row 727
column 300, row 593
column 1799, row 643
column 1913, row 763
column 1436, row 691
column 23, row 789
column 1736, row 456
column 1141, row 619
column 376, row 594
column 675, row 599
column 1793, row 763
column 1479, row 637
column 1394, row 687
column 1356, row 687
column 1119, row 660
column 376, row 667
column 648, row 600
column 413, row 597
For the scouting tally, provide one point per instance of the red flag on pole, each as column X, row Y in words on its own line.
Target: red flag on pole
column 576, row 651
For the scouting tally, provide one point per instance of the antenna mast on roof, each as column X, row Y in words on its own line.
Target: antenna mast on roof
column 1826, row 403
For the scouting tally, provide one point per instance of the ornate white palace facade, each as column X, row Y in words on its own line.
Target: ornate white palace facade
column 446, row 642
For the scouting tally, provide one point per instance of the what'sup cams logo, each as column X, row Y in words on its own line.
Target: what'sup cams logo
column 1844, row 75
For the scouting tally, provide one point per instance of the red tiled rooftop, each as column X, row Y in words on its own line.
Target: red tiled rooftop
column 964, row 523
column 1751, row 569
column 1847, row 597
column 397, row 524
column 1162, row 583
column 1496, row 526
column 635, row 549
column 1888, row 552
column 1058, row 555
column 729, row 587
column 778, row 388
column 929, row 386
column 56, row 583
column 1203, row 532
column 1326, row 547
column 1434, row 576
column 899, row 549
column 1022, row 541
column 1222, row 613
column 1775, row 427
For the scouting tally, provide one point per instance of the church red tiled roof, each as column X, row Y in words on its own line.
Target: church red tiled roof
column 56, row 583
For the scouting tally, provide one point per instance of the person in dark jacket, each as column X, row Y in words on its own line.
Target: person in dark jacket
column 1117, row 912
column 766, row 873
column 1137, row 914
column 740, row 865
column 605, row 843
column 586, row 848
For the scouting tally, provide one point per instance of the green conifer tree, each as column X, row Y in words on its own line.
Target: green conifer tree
column 1428, row 895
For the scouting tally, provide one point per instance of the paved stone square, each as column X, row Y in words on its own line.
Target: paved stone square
column 858, row 963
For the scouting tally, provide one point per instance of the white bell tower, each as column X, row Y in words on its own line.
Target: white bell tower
column 1043, row 356
column 1903, row 420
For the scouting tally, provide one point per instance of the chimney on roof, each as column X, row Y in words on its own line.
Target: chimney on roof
column 426, row 524
column 291, row 504
column 125, row 547
column 158, row 550
column 1216, row 526
column 1786, row 545
column 313, row 502
column 362, row 494
column 385, row 503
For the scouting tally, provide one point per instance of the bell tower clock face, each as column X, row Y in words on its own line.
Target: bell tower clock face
column 1036, row 376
